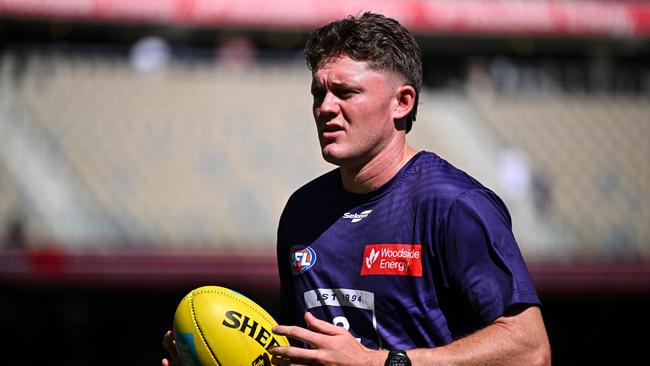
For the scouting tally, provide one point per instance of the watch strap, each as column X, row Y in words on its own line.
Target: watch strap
column 397, row 358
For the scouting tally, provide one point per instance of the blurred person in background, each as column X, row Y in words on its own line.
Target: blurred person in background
column 396, row 257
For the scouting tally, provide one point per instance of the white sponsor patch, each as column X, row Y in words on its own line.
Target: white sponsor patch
column 340, row 297
column 356, row 217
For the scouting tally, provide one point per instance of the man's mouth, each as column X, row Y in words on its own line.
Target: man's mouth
column 330, row 130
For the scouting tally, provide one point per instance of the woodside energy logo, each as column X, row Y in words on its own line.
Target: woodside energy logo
column 392, row 259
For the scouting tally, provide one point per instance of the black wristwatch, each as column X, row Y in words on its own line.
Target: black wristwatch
column 398, row 358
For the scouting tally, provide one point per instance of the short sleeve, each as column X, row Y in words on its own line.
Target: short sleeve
column 483, row 263
column 288, row 311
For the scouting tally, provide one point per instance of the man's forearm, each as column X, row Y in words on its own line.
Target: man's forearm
column 518, row 339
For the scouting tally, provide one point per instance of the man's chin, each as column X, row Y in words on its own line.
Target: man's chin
column 332, row 159
column 332, row 155
column 338, row 157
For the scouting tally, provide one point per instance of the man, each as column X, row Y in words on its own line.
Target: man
column 396, row 250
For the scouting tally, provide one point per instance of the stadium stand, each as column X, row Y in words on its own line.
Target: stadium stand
column 10, row 214
column 181, row 158
column 592, row 151
column 203, row 154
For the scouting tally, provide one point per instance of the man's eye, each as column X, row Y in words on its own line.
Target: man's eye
column 344, row 93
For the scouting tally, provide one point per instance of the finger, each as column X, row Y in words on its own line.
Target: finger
column 321, row 326
column 294, row 355
column 279, row 361
column 285, row 362
column 299, row 333
column 168, row 341
column 165, row 362
column 170, row 344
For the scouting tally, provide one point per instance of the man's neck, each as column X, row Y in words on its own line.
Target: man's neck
column 376, row 172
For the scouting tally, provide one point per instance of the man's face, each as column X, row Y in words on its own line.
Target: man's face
column 354, row 110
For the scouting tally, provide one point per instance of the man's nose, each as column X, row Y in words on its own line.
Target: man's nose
column 329, row 104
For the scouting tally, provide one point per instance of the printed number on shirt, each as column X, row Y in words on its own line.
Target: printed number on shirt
column 351, row 309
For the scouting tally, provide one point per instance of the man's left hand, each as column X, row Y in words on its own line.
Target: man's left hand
column 330, row 345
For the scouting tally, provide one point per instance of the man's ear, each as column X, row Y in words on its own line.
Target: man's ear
column 405, row 98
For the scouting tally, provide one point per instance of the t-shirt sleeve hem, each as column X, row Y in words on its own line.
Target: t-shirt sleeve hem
column 529, row 299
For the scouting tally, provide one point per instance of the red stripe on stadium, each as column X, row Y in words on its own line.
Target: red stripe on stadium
column 258, row 271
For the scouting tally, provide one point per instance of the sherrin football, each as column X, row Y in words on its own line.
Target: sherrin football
column 216, row 326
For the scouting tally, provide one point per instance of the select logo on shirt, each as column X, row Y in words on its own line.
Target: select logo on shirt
column 356, row 217
column 302, row 259
column 392, row 259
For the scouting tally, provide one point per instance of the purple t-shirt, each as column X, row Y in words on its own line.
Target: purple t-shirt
column 425, row 259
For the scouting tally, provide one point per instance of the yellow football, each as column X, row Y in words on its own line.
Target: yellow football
column 216, row 326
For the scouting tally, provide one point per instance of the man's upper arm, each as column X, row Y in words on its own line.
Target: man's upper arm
column 483, row 262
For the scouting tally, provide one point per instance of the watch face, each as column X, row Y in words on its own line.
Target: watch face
column 398, row 360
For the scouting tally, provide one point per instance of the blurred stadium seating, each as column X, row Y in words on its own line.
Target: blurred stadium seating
column 203, row 154
column 196, row 155
column 592, row 151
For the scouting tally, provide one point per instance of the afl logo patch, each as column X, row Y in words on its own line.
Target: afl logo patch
column 302, row 259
